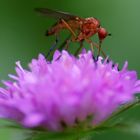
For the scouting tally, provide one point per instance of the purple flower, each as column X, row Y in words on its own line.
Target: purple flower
column 65, row 90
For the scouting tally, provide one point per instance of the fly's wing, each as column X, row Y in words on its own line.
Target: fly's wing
column 55, row 14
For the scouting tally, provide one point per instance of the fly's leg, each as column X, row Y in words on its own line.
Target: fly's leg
column 64, row 43
column 72, row 32
column 99, row 49
column 78, row 50
column 53, row 46
column 67, row 44
column 67, row 41
column 92, row 44
column 69, row 28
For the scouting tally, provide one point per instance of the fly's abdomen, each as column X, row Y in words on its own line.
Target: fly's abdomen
column 54, row 29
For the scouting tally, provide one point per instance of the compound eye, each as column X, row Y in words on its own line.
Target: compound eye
column 102, row 33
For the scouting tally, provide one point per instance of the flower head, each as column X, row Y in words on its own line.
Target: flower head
column 66, row 89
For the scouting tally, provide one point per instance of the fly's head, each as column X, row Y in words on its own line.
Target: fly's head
column 102, row 33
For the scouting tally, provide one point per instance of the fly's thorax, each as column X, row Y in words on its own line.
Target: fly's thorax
column 92, row 22
column 90, row 27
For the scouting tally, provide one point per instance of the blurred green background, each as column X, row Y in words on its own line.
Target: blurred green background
column 22, row 38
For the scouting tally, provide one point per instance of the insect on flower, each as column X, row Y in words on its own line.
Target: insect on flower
column 81, row 28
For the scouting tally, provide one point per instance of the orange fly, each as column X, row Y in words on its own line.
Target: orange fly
column 80, row 28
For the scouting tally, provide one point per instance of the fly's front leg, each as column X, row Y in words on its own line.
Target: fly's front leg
column 92, row 44
column 99, row 50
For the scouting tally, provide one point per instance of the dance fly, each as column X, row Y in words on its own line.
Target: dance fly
column 80, row 28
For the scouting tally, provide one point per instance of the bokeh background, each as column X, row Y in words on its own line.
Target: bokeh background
column 22, row 38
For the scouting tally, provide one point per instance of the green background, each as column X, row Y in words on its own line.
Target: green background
column 22, row 38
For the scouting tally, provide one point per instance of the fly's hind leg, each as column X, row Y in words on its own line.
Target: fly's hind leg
column 62, row 46
column 67, row 44
column 71, row 31
column 69, row 28
column 53, row 46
